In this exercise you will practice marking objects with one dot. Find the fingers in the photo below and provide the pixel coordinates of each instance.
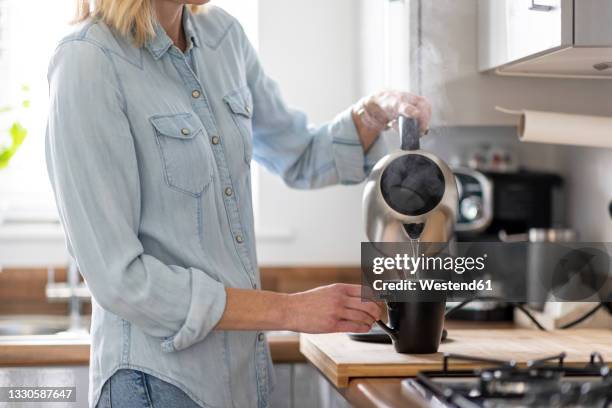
(373, 115)
(342, 310)
(355, 301)
(417, 107)
(372, 309)
(352, 290)
(383, 108)
(424, 108)
(377, 112)
(357, 316)
(410, 110)
(349, 326)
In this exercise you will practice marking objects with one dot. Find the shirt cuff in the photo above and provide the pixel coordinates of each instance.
(352, 164)
(348, 152)
(377, 151)
(208, 299)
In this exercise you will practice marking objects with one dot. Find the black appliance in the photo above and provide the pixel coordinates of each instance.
(512, 203)
(493, 206)
(542, 383)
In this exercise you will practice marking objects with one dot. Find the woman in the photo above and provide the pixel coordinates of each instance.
(155, 115)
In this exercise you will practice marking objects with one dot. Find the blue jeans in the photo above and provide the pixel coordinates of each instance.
(135, 389)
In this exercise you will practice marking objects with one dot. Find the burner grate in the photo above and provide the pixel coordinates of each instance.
(541, 382)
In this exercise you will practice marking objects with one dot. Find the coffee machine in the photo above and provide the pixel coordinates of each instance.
(493, 206)
(503, 206)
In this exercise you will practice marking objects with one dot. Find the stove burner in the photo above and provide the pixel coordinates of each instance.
(510, 380)
(545, 382)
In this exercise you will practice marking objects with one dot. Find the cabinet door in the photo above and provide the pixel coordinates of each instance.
(510, 30)
(532, 27)
(593, 23)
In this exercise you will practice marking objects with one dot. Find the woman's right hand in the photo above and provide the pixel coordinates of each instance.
(333, 308)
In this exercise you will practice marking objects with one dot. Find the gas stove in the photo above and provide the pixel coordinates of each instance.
(541, 383)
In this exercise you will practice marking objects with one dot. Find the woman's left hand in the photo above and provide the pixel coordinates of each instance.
(380, 111)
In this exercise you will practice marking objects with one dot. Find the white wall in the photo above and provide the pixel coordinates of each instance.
(311, 49)
(588, 172)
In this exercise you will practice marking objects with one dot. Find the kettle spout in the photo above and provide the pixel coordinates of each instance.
(414, 230)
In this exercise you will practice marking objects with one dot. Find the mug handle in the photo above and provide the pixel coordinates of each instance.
(391, 332)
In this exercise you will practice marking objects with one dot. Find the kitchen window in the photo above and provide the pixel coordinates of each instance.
(29, 32)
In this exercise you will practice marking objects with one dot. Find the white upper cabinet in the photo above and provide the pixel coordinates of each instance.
(557, 38)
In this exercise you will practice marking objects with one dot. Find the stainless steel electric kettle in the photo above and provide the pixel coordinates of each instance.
(410, 194)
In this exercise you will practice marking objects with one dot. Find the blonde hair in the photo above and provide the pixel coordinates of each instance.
(133, 19)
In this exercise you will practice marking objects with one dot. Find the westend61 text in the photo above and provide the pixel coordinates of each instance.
(432, 285)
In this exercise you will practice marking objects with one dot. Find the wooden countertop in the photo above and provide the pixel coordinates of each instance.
(74, 350)
(341, 359)
(379, 393)
(44, 350)
(285, 348)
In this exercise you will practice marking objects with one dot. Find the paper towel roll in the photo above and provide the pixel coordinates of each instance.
(563, 128)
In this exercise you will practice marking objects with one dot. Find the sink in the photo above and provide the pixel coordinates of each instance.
(26, 325)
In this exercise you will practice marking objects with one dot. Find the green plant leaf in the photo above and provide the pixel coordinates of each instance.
(5, 156)
(18, 133)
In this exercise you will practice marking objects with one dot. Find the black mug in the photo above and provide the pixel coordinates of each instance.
(415, 327)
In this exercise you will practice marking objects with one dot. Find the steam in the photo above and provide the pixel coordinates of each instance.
(436, 52)
(434, 70)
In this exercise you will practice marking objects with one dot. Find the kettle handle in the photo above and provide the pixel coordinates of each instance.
(409, 133)
(391, 332)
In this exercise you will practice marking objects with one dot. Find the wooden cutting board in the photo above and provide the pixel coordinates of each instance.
(340, 358)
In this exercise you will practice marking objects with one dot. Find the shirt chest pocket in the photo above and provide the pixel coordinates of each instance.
(240, 105)
(186, 158)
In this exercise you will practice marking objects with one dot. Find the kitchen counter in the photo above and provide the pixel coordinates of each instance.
(369, 375)
(62, 350)
(38, 350)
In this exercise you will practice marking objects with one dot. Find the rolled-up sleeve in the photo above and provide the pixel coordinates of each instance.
(304, 155)
(92, 164)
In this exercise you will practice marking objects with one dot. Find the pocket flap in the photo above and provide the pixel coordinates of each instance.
(239, 102)
(178, 125)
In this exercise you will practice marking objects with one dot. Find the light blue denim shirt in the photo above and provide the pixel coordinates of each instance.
(149, 152)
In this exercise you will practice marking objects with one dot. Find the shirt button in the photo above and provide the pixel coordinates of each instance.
(215, 140)
(254, 285)
(228, 191)
(195, 94)
(239, 239)
(248, 109)
(260, 337)
(185, 131)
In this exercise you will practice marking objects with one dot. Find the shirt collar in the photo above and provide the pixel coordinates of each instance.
(160, 43)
